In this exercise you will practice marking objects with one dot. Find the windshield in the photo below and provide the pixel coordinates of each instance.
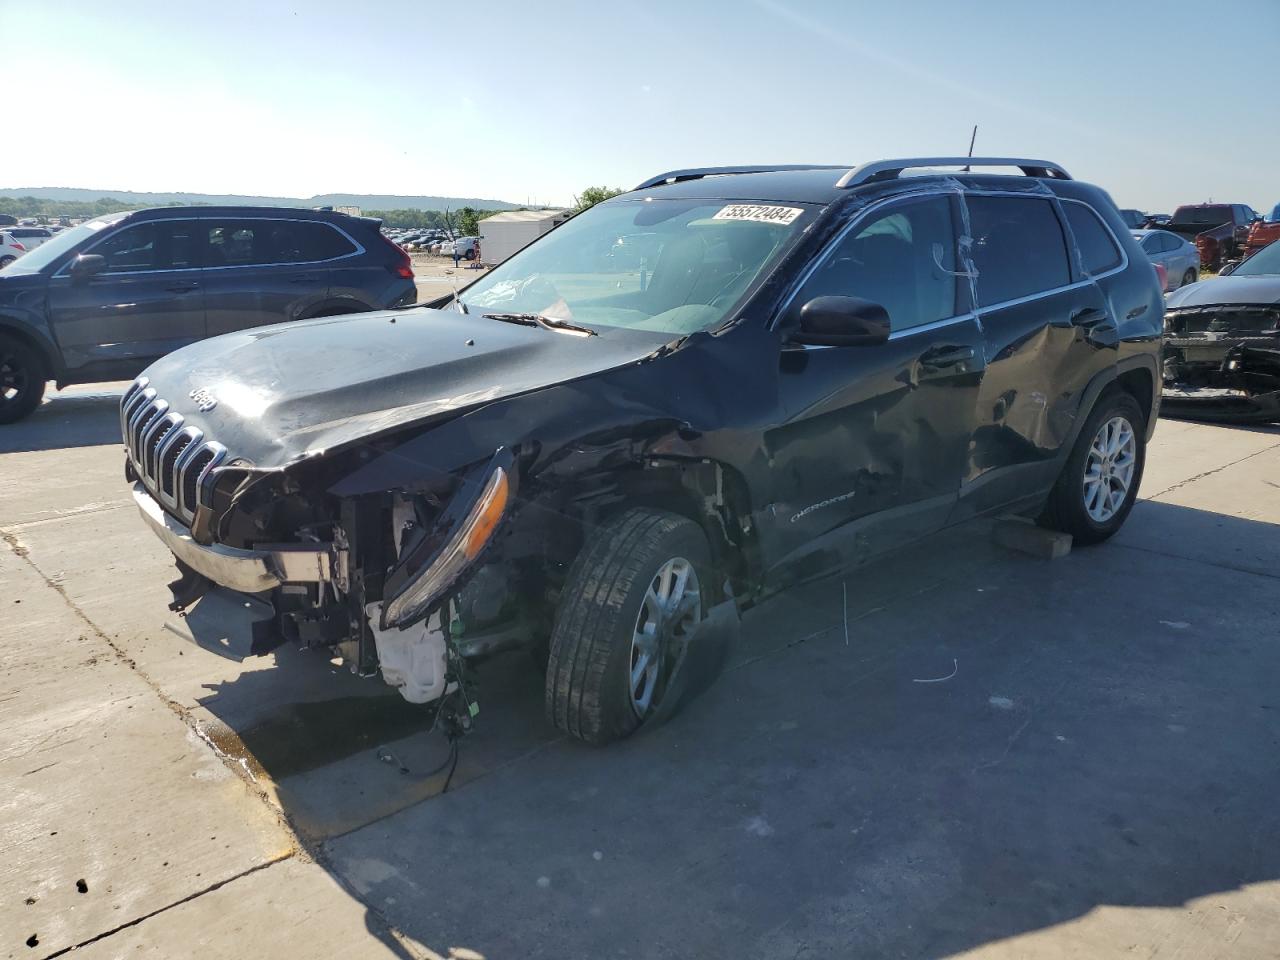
(52, 249)
(1206, 216)
(670, 266)
(1274, 215)
(1266, 262)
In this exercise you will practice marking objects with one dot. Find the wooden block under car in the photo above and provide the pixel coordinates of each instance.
(1021, 534)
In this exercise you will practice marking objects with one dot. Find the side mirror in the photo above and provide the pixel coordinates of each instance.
(842, 322)
(1228, 269)
(87, 265)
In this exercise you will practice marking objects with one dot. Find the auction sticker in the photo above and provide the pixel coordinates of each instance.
(759, 213)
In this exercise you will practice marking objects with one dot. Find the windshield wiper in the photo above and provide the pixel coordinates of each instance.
(547, 323)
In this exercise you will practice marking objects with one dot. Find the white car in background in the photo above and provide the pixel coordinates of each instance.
(1179, 257)
(29, 237)
(10, 249)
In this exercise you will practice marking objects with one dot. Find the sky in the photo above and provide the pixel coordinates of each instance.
(532, 102)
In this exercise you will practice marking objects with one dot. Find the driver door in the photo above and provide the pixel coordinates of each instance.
(875, 440)
(146, 302)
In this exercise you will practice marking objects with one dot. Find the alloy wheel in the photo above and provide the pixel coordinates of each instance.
(669, 612)
(1108, 470)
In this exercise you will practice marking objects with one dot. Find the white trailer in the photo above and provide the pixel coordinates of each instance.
(505, 233)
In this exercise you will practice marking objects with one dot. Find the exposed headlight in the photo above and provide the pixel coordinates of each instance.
(463, 547)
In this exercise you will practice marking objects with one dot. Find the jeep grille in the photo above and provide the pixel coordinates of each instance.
(169, 458)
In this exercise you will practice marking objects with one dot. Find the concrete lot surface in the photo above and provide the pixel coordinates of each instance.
(961, 751)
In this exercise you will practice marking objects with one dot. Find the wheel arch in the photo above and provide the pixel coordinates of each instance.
(708, 492)
(36, 340)
(1136, 375)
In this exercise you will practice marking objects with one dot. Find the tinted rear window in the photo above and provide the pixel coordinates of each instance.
(1018, 247)
(1209, 216)
(1098, 251)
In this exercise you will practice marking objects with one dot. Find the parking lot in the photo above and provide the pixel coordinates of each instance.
(960, 751)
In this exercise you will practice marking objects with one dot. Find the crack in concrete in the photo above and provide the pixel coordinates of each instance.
(70, 514)
(169, 906)
(1201, 560)
(1208, 473)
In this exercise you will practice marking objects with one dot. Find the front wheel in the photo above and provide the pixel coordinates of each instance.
(22, 380)
(632, 601)
(1099, 483)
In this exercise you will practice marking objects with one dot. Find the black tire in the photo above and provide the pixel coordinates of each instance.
(1190, 277)
(589, 693)
(470, 254)
(1066, 510)
(5, 261)
(22, 380)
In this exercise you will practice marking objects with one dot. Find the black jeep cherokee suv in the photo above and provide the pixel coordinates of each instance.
(603, 458)
(104, 299)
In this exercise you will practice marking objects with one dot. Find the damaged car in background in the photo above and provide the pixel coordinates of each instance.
(1222, 344)
(602, 460)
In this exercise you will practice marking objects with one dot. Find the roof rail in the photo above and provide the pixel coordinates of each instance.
(890, 169)
(697, 173)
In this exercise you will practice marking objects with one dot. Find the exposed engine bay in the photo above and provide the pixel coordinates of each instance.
(1222, 362)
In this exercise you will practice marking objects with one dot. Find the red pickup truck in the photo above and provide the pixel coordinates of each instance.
(1219, 230)
(1264, 233)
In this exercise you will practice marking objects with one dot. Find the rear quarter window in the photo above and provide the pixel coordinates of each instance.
(1018, 248)
(1098, 251)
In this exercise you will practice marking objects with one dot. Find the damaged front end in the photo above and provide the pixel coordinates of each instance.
(382, 579)
(1222, 362)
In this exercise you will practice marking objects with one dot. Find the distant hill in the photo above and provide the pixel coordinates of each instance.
(366, 201)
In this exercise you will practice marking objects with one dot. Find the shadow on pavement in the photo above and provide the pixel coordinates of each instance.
(946, 748)
(75, 419)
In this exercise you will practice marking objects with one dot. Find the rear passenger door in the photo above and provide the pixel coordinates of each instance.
(266, 270)
(1049, 331)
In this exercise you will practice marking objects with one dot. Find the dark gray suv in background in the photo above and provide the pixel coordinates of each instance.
(103, 300)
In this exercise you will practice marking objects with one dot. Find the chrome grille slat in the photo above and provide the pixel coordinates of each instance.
(155, 440)
(170, 457)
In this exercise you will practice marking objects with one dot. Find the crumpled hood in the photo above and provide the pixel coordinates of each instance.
(1256, 290)
(292, 390)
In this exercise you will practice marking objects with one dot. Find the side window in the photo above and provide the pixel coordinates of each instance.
(238, 243)
(230, 243)
(133, 248)
(904, 259)
(317, 241)
(1018, 247)
(1168, 242)
(1098, 251)
(1153, 243)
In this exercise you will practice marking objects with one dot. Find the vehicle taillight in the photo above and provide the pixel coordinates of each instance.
(403, 267)
(1163, 274)
(18, 246)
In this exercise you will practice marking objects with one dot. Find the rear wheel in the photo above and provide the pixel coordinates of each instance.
(5, 261)
(1099, 483)
(632, 600)
(22, 380)
(1190, 277)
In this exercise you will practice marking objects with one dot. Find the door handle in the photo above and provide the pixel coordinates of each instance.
(940, 358)
(1088, 317)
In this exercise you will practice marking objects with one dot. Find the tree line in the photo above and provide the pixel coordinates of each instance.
(463, 222)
